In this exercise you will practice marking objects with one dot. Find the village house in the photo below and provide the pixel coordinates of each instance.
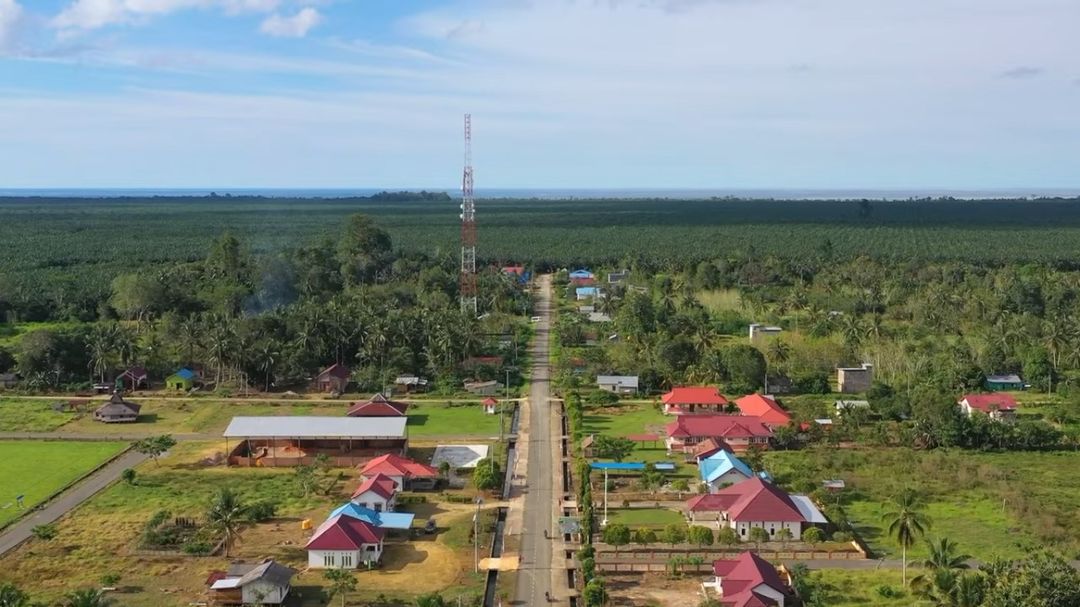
(779, 384)
(400, 521)
(183, 380)
(749, 581)
(344, 542)
(583, 293)
(377, 492)
(135, 378)
(694, 400)
(759, 332)
(266, 583)
(736, 431)
(619, 277)
(999, 406)
(619, 384)
(491, 405)
(582, 277)
(755, 503)
(410, 383)
(377, 406)
(117, 410)
(333, 379)
(709, 447)
(405, 472)
(482, 388)
(998, 383)
(722, 468)
(273, 441)
(854, 380)
(765, 408)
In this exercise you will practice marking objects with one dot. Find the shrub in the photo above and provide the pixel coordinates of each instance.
(887, 592)
(262, 511)
(842, 536)
(110, 579)
(45, 532)
(196, 547)
(128, 476)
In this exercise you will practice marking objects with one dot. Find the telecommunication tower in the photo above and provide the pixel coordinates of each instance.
(468, 228)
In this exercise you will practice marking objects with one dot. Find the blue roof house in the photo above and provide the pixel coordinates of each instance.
(184, 379)
(382, 520)
(587, 292)
(722, 469)
(580, 274)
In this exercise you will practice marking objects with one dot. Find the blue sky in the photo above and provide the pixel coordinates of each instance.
(564, 93)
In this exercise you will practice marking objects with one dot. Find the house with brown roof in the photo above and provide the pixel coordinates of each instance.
(998, 406)
(377, 406)
(697, 400)
(265, 583)
(344, 542)
(334, 378)
(749, 581)
(755, 503)
(408, 474)
(134, 378)
(736, 431)
(117, 410)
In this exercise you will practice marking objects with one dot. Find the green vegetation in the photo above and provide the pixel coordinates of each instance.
(455, 419)
(18, 415)
(644, 517)
(38, 469)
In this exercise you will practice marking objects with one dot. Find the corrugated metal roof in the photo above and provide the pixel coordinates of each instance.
(809, 511)
(316, 427)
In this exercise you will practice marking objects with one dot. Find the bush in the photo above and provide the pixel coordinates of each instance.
(842, 536)
(887, 592)
(128, 476)
(196, 547)
(262, 511)
(45, 532)
(110, 579)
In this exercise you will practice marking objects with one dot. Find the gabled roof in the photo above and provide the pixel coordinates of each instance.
(379, 484)
(719, 464)
(184, 373)
(764, 408)
(316, 426)
(118, 406)
(751, 500)
(382, 520)
(717, 426)
(336, 370)
(739, 577)
(136, 373)
(708, 447)
(344, 533)
(581, 274)
(377, 406)
(268, 571)
(392, 464)
(1004, 379)
(698, 395)
(489, 402)
(990, 402)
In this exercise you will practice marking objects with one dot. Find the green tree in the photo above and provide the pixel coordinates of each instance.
(364, 250)
(341, 582)
(700, 536)
(906, 523)
(813, 536)
(745, 366)
(128, 476)
(45, 532)
(727, 537)
(595, 593)
(758, 536)
(616, 534)
(12, 596)
(154, 446)
(85, 598)
(227, 515)
(1044, 579)
(675, 534)
(486, 474)
(306, 479)
(644, 536)
(612, 447)
(785, 535)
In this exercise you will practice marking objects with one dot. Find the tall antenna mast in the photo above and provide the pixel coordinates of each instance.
(468, 228)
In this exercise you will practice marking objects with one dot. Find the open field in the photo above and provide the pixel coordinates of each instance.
(644, 517)
(858, 588)
(210, 416)
(101, 537)
(38, 469)
(991, 504)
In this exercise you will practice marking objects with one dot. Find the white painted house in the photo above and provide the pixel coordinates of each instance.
(379, 493)
(344, 542)
(266, 583)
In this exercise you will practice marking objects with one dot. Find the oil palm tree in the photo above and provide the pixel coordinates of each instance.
(11, 596)
(88, 597)
(906, 522)
(943, 555)
(227, 515)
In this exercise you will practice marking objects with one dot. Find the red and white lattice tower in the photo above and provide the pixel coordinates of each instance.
(468, 228)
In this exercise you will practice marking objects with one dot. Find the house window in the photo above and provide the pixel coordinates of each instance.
(347, 561)
(378, 507)
(328, 560)
(742, 531)
(370, 548)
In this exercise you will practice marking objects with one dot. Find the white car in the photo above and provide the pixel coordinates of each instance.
(534, 319)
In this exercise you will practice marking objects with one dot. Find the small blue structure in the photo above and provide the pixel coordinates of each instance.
(998, 383)
(383, 520)
(722, 467)
(586, 292)
(631, 466)
(581, 274)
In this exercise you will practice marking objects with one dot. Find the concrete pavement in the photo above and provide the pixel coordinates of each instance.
(19, 532)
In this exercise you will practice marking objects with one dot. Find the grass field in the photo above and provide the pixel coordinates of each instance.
(38, 469)
(100, 538)
(992, 504)
(433, 420)
(842, 588)
(644, 517)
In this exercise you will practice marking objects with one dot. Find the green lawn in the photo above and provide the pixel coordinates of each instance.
(859, 588)
(37, 469)
(643, 517)
(625, 419)
(991, 504)
(23, 415)
(469, 419)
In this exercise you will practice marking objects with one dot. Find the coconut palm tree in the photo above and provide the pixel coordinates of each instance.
(227, 515)
(943, 556)
(906, 522)
(266, 355)
(11, 596)
(88, 597)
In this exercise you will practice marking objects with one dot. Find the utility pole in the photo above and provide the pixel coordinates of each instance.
(502, 406)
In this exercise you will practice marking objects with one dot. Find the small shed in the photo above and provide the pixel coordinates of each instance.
(334, 378)
(410, 383)
(491, 405)
(482, 388)
(266, 583)
(619, 384)
(8, 380)
(182, 380)
(1000, 383)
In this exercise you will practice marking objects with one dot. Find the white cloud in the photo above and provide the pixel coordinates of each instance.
(10, 15)
(94, 14)
(296, 26)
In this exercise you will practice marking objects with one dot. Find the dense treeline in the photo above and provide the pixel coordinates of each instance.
(277, 319)
(59, 256)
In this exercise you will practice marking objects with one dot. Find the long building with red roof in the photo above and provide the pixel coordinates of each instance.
(749, 581)
(694, 400)
(736, 431)
(378, 406)
(408, 474)
(999, 405)
(755, 503)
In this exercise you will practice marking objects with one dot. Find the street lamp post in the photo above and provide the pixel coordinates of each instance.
(476, 536)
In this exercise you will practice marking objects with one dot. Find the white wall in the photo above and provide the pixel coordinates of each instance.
(317, 558)
(269, 593)
(728, 478)
(376, 502)
(742, 529)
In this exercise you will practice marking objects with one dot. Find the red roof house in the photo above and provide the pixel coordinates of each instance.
(694, 400)
(749, 581)
(377, 406)
(997, 405)
(491, 405)
(764, 408)
(402, 470)
(737, 431)
(380, 485)
(344, 542)
(755, 503)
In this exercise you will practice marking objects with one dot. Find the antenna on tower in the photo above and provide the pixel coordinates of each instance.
(468, 228)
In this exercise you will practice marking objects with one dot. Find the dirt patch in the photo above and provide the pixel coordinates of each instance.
(652, 590)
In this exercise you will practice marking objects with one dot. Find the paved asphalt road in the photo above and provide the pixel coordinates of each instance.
(68, 501)
(535, 576)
